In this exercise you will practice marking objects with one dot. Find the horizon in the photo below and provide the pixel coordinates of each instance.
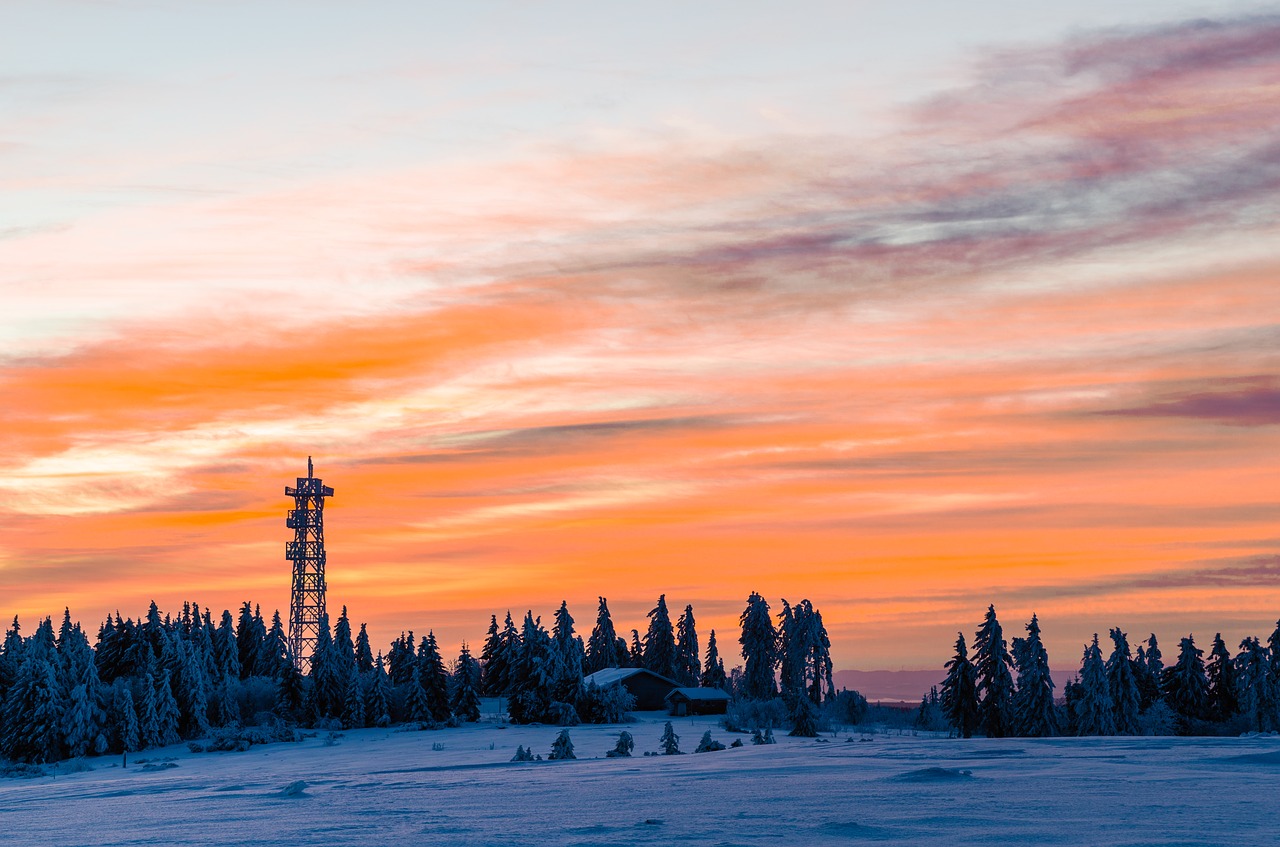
(905, 319)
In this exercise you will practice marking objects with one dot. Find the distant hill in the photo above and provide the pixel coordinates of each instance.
(909, 686)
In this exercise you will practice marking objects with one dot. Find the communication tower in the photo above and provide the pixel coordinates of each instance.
(306, 551)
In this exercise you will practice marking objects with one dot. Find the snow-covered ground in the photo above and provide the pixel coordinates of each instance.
(392, 788)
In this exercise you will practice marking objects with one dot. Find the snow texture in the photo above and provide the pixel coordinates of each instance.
(380, 786)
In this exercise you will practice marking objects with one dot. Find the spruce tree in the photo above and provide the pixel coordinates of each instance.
(635, 656)
(602, 647)
(364, 652)
(466, 696)
(790, 656)
(1185, 685)
(248, 641)
(292, 696)
(32, 714)
(713, 675)
(815, 654)
(225, 650)
(79, 729)
(433, 677)
(670, 742)
(168, 716)
(568, 656)
(378, 696)
(1095, 713)
(124, 720)
(1221, 694)
(149, 730)
(1034, 714)
(959, 691)
(328, 683)
(1123, 686)
(1257, 695)
(353, 710)
(1155, 672)
(273, 654)
(759, 649)
(688, 661)
(562, 747)
(489, 670)
(416, 702)
(660, 641)
(344, 651)
(992, 662)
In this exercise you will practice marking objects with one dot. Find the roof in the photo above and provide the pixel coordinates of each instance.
(609, 676)
(699, 694)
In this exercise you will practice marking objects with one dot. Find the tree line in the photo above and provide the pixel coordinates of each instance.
(155, 681)
(1127, 693)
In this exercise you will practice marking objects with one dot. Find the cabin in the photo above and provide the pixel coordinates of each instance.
(697, 701)
(650, 689)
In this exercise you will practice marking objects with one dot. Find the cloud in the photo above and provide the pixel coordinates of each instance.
(1241, 401)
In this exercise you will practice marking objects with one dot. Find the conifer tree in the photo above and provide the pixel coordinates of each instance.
(416, 702)
(225, 650)
(168, 717)
(1123, 686)
(532, 675)
(660, 641)
(567, 674)
(562, 747)
(1257, 695)
(492, 644)
(713, 675)
(32, 715)
(402, 658)
(1273, 656)
(759, 649)
(707, 744)
(959, 691)
(804, 718)
(816, 655)
(328, 684)
(344, 652)
(79, 727)
(353, 710)
(466, 696)
(1221, 695)
(670, 742)
(149, 730)
(635, 657)
(790, 655)
(124, 719)
(226, 705)
(248, 641)
(433, 678)
(1095, 714)
(273, 654)
(1184, 683)
(624, 746)
(291, 699)
(688, 661)
(992, 662)
(364, 652)
(1155, 671)
(1034, 714)
(602, 647)
(378, 696)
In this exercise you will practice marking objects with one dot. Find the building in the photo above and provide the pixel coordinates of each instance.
(697, 701)
(650, 689)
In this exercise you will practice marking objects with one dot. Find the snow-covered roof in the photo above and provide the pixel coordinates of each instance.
(609, 676)
(699, 694)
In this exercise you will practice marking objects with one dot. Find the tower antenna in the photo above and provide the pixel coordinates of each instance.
(306, 551)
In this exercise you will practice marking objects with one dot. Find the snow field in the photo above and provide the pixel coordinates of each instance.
(383, 787)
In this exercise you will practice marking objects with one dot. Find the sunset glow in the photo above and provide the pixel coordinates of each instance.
(905, 332)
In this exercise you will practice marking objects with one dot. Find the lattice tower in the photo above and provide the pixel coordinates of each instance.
(306, 551)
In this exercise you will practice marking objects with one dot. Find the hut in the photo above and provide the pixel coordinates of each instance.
(697, 701)
(649, 688)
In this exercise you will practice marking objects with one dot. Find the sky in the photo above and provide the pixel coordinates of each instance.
(904, 308)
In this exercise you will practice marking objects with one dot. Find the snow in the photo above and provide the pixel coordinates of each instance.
(458, 786)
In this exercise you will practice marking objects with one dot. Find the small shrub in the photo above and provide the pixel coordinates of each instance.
(708, 744)
(522, 755)
(332, 739)
(624, 747)
(562, 747)
(437, 747)
(737, 742)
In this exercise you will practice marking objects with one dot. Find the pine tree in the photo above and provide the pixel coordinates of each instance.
(959, 691)
(378, 696)
(168, 717)
(364, 652)
(1034, 713)
(1257, 695)
(532, 674)
(225, 650)
(273, 654)
(635, 656)
(248, 641)
(226, 704)
(1221, 700)
(670, 742)
(790, 655)
(149, 731)
(1123, 686)
(815, 655)
(804, 718)
(466, 697)
(1095, 714)
(79, 727)
(1184, 683)
(124, 720)
(1155, 672)
(416, 702)
(713, 675)
(32, 726)
(328, 683)
(292, 697)
(344, 652)
(992, 662)
(688, 661)
(602, 648)
(660, 641)
(759, 649)
(492, 645)
(434, 679)
(567, 675)
(353, 710)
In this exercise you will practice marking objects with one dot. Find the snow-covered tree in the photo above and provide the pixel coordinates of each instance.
(378, 696)
(688, 661)
(624, 746)
(670, 742)
(1033, 710)
(32, 727)
(566, 686)
(1185, 684)
(1257, 695)
(488, 670)
(707, 744)
(1221, 694)
(1123, 686)
(635, 656)
(466, 696)
(959, 691)
(433, 677)
(993, 664)
(804, 718)
(1153, 688)
(168, 715)
(364, 652)
(148, 715)
(416, 703)
(562, 747)
(604, 648)
(713, 675)
(1095, 714)
(124, 720)
(344, 651)
(660, 641)
(759, 642)
(353, 710)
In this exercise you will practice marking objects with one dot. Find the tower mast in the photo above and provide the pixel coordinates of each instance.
(306, 551)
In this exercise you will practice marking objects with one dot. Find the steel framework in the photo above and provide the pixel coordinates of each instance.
(306, 551)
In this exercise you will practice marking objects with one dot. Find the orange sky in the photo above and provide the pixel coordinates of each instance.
(1024, 349)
